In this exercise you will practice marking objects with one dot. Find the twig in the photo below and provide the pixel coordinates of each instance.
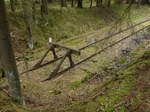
(4, 91)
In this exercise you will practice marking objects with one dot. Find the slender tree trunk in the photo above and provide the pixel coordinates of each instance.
(99, 3)
(63, 3)
(34, 11)
(80, 5)
(12, 5)
(72, 3)
(44, 11)
(7, 58)
(91, 4)
(27, 9)
(108, 3)
(44, 7)
(138, 3)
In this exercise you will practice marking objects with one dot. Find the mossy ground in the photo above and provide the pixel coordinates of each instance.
(128, 92)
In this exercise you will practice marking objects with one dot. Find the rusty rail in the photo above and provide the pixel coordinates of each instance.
(109, 36)
(56, 58)
(70, 51)
(53, 75)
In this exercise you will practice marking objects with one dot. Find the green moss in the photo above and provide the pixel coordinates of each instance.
(133, 54)
(122, 61)
(122, 109)
(101, 100)
(75, 84)
(147, 62)
(146, 55)
(88, 72)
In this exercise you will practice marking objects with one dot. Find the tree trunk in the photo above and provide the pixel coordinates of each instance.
(63, 3)
(34, 11)
(44, 11)
(44, 7)
(27, 9)
(91, 4)
(7, 58)
(99, 3)
(109, 3)
(80, 5)
(12, 5)
(72, 3)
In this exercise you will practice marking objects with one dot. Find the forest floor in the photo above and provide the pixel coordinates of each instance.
(121, 91)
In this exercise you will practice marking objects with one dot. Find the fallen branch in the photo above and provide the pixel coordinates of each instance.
(4, 91)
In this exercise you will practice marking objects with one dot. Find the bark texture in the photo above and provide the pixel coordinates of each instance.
(27, 10)
(7, 59)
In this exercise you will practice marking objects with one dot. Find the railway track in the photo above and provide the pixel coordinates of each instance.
(70, 51)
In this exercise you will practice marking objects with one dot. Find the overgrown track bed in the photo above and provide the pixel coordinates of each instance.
(91, 56)
(57, 72)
